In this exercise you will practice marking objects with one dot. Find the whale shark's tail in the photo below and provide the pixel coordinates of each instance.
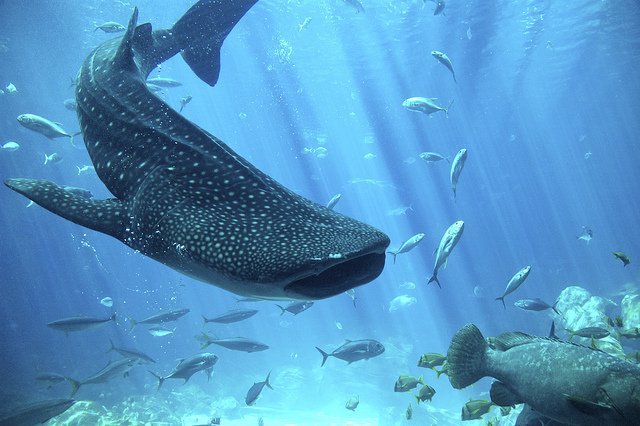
(198, 36)
(202, 30)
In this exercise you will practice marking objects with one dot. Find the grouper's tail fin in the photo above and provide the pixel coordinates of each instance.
(466, 357)
(106, 216)
(202, 30)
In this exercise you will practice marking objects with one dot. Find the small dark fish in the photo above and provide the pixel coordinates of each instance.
(184, 101)
(535, 305)
(79, 323)
(190, 366)
(623, 257)
(36, 413)
(130, 353)
(406, 383)
(254, 392)
(352, 403)
(232, 316)
(161, 318)
(113, 369)
(354, 350)
(615, 322)
(475, 409)
(409, 413)
(431, 360)
(443, 370)
(426, 393)
(631, 333)
(234, 343)
(440, 4)
(356, 5)
(590, 332)
(295, 307)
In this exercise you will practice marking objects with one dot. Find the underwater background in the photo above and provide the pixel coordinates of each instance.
(546, 104)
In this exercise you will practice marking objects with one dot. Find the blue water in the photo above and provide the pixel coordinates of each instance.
(546, 104)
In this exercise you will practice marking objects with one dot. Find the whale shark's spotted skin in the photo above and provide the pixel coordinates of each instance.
(185, 198)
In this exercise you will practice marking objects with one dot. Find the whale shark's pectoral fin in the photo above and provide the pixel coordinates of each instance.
(106, 216)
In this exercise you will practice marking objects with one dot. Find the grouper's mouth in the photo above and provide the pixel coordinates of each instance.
(338, 277)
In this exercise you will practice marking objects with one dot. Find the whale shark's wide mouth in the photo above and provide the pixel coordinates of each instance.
(338, 278)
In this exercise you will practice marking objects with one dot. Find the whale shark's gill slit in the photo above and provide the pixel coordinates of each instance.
(185, 198)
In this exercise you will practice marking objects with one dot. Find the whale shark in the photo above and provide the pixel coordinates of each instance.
(183, 197)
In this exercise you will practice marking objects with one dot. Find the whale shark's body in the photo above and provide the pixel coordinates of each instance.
(185, 198)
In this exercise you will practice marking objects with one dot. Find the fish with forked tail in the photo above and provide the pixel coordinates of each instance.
(254, 391)
(565, 382)
(406, 246)
(45, 127)
(354, 350)
(444, 60)
(187, 367)
(456, 169)
(515, 282)
(425, 105)
(447, 243)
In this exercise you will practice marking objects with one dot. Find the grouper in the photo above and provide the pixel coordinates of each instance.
(565, 382)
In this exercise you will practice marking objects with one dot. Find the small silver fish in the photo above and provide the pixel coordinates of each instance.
(160, 331)
(184, 101)
(447, 243)
(333, 201)
(425, 105)
(586, 235)
(444, 60)
(432, 157)
(515, 282)
(456, 169)
(407, 245)
(110, 27)
(304, 24)
(54, 158)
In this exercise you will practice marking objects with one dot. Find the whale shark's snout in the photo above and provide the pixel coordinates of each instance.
(336, 276)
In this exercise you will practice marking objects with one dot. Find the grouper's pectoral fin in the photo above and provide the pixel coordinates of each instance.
(502, 396)
(106, 216)
(591, 408)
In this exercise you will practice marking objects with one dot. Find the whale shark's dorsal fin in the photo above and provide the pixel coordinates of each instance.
(124, 55)
(106, 216)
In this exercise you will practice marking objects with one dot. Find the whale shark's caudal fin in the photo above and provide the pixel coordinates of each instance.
(202, 30)
(198, 35)
(107, 216)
